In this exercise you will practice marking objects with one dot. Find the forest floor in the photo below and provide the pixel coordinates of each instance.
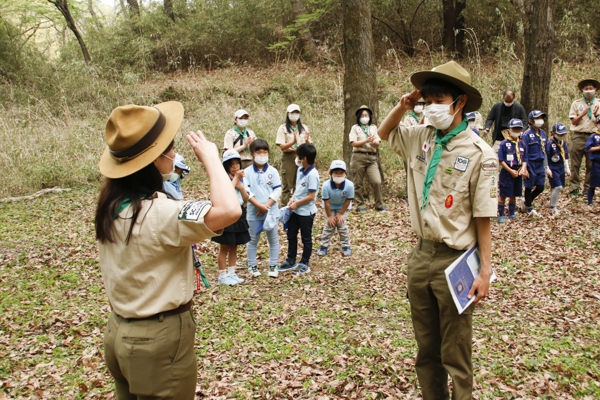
(341, 331)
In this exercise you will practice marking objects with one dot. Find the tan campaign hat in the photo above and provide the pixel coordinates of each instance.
(138, 135)
(455, 74)
(590, 81)
(363, 108)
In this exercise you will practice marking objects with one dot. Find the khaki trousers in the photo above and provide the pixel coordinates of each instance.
(443, 336)
(288, 176)
(343, 230)
(576, 155)
(365, 165)
(152, 358)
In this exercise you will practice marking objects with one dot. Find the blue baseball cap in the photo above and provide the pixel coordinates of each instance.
(337, 164)
(230, 155)
(180, 163)
(515, 123)
(471, 115)
(559, 127)
(536, 114)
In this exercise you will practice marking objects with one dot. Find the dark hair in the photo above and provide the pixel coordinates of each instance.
(307, 150)
(358, 115)
(259, 144)
(440, 87)
(141, 184)
(227, 164)
(507, 91)
(588, 83)
(288, 124)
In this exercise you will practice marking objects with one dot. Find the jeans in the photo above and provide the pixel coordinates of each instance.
(302, 223)
(272, 237)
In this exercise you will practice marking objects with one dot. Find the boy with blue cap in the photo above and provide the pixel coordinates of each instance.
(511, 155)
(592, 148)
(337, 194)
(172, 186)
(472, 121)
(557, 155)
(534, 139)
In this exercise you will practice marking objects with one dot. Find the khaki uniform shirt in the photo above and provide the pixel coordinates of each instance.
(230, 138)
(284, 137)
(478, 121)
(409, 120)
(154, 272)
(464, 186)
(586, 124)
(357, 134)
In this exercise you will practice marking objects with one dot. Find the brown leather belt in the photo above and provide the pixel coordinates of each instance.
(179, 310)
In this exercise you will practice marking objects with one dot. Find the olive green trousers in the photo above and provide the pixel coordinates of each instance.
(288, 177)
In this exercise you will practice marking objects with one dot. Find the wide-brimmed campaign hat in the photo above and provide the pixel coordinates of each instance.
(138, 135)
(453, 73)
(363, 108)
(586, 82)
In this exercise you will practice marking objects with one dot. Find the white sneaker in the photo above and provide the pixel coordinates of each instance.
(273, 271)
(556, 212)
(534, 213)
(253, 269)
(236, 277)
(227, 280)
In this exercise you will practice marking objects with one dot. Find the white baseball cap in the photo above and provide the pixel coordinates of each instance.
(293, 107)
(337, 164)
(241, 113)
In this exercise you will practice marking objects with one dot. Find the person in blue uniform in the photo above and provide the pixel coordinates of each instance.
(472, 121)
(557, 155)
(172, 186)
(511, 155)
(534, 139)
(592, 148)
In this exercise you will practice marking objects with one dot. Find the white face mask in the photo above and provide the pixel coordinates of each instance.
(298, 162)
(261, 160)
(559, 137)
(439, 115)
(589, 94)
(167, 177)
(365, 120)
(509, 104)
(471, 124)
(538, 122)
(294, 116)
(174, 177)
(242, 123)
(418, 109)
(515, 134)
(338, 179)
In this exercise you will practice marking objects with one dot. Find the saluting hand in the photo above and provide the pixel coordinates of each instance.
(203, 148)
(410, 100)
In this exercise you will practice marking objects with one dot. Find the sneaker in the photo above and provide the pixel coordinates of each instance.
(227, 280)
(575, 193)
(273, 271)
(346, 251)
(502, 220)
(513, 218)
(381, 209)
(322, 251)
(286, 266)
(302, 269)
(236, 277)
(253, 269)
(555, 211)
(362, 210)
(533, 213)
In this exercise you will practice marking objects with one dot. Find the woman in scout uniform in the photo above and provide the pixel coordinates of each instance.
(558, 165)
(290, 135)
(583, 114)
(144, 246)
(365, 141)
(534, 139)
(512, 154)
(239, 137)
(416, 117)
(452, 184)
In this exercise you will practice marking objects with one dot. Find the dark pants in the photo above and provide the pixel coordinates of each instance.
(302, 223)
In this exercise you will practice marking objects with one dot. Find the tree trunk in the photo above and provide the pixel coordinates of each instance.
(360, 83)
(123, 8)
(538, 24)
(449, 21)
(93, 14)
(307, 39)
(63, 7)
(134, 6)
(169, 9)
(459, 26)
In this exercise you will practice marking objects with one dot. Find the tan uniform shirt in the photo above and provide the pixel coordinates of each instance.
(230, 138)
(284, 137)
(478, 121)
(586, 124)
(357, 134)
(464, 186)
(154, 272)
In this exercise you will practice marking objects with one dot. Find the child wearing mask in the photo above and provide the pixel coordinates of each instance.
(472, 121)
(534, 139)
(172, 186)
(512, 157)
(239, 137)
(558, 166)
(264, 183)
(592, 148)
(236, 234)
(337, 194)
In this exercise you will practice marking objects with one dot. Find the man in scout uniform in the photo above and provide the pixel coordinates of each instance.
(238, 138)
(452, 189)
(584, 112)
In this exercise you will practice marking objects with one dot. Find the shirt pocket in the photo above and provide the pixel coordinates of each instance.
(419, 170)
(456, 199)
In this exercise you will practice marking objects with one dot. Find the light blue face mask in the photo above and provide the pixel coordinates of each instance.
(174, 177)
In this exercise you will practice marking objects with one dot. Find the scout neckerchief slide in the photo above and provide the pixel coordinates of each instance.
(199, 272)
(440, 142)
(590, 109)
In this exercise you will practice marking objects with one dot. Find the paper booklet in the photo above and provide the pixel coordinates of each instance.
(460, 276)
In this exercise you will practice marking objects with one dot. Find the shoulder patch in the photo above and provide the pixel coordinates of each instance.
(490, 165)
(192, 210)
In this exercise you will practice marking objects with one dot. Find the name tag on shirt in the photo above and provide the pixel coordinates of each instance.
(510, 157)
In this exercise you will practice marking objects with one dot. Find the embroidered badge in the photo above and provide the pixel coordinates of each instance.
(461, 163)
(269, 183)
(555, 158)
(491, 165)
(344, 193)
(581, 107)
(493, 193)
(425, 149)
(449, 170)
(449, 201)
(192, 210)
(459, 288)
(508, 145)
(270, 176)
(422, 159)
